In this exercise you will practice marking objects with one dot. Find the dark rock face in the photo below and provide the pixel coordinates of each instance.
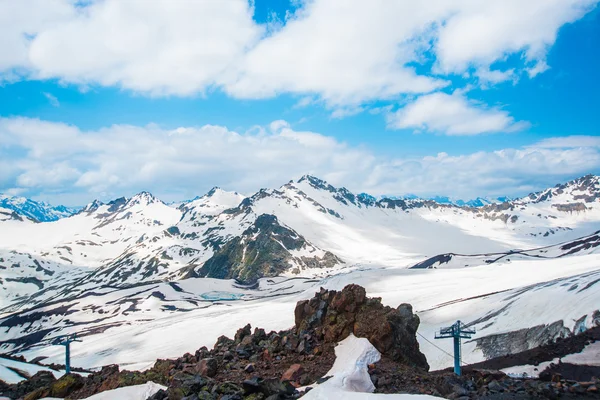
(513, 342)
(334, 315)
(570, 207)
(262, 251)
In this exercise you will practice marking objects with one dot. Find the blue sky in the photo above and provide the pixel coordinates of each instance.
(465, 101)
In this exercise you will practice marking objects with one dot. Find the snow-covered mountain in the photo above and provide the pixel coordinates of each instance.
(304, 227)
(37, 211)
(135, 261)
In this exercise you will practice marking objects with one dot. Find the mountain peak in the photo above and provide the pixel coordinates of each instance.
(585, 188)
(317, 183)
(143, 198)
(93, 206)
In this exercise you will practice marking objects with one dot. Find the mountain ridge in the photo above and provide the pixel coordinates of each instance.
(44, 212)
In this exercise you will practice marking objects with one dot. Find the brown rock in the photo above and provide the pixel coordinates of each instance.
(242, 333)
(266, 356)
(293, 373)
(207, 367)
(334, 315)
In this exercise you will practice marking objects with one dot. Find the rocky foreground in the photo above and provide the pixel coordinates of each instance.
(260, 365)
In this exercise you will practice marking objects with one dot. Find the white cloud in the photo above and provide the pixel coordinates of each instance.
(480, 33)
(569, 142)
(488, 76)
(537, 69)
(159, 47)
(53, 100)
(22, 19)
(348, 52)
(452, 115)
(342, 53)
(62, 163)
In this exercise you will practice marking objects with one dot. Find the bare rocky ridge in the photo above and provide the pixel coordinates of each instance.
(264, 250)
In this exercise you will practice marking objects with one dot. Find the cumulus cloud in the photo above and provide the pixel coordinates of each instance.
(62, 163)
(452, 115)
(344, 53)
(158, 47)
(480, 33)
(348, 52)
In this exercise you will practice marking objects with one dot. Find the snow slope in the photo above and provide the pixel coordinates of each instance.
(586, 245)
(128, 326)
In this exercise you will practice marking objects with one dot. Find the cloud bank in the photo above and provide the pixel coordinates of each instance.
(64, 164)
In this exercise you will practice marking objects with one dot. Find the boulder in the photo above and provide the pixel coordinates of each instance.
(207, 367)
(334, 315)
(293, 373)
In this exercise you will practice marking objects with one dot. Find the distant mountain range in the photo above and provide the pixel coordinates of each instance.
(44, 212)
(35, 210)
(477, 202)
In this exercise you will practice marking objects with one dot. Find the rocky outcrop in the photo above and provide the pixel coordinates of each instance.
(570, 207)
(513, 342)
(334, 315)
(265, 250)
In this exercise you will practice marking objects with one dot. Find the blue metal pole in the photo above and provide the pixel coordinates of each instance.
(457, 355)
(68, 357)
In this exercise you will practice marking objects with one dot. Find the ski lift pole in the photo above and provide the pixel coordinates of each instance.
(66, 341)
(456, 332)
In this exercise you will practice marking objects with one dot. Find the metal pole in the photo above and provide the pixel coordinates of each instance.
(457, 355)
(68, 357)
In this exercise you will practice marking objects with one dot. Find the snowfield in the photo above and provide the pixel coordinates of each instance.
(128, 274)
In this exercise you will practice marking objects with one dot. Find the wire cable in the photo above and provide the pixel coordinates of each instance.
(436, 346)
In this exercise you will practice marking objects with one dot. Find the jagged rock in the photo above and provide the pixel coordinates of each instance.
(242, 333)
(228, 388)
(293, 373)
(183, 384)
(334, 315)
(37, 382)
(495, 386)
(275, 387)
(61, 388)
(207, 367)
(160, 395)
